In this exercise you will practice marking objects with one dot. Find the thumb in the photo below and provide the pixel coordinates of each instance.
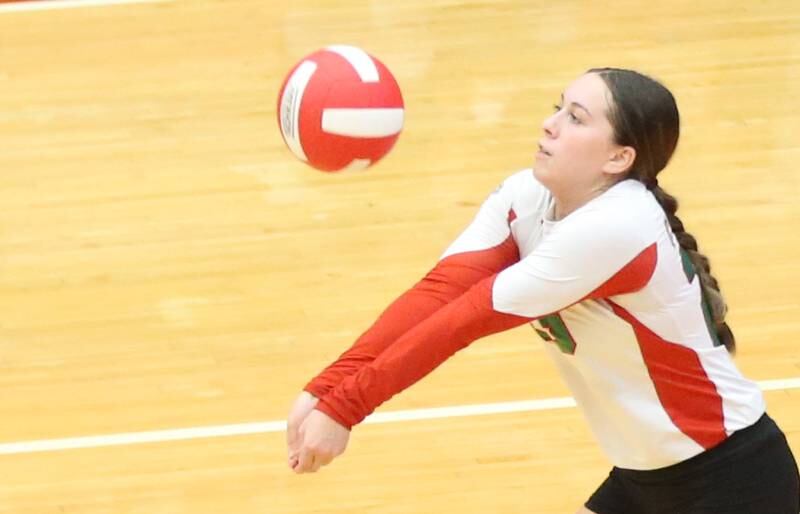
(294, 439)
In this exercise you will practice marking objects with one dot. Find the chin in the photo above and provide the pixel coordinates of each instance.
(542, 174)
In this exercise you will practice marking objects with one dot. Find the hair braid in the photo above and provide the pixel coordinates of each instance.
(644, 115)
(709, 285)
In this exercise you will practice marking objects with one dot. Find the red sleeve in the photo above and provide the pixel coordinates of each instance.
(418, 352)
(447, 281)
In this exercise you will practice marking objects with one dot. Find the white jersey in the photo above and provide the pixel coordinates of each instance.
(634, 342)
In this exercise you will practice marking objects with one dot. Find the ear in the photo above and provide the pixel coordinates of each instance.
(620, 160)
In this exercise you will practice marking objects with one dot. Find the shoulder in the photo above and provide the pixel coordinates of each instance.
(625, 216)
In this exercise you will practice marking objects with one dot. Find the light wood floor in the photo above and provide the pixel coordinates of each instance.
(166, 263)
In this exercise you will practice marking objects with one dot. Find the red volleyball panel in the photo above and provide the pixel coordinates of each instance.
(332, 152)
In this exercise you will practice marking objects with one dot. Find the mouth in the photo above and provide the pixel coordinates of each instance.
(543, 151)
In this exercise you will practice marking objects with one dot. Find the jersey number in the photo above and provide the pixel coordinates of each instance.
(552, 329)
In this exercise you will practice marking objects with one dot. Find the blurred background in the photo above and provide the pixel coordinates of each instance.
(166, 262)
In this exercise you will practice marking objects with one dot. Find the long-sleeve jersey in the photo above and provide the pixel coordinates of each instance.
(609, 290)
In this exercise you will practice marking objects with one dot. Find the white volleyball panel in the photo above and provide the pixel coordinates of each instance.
(358, 59)
(357, 165)
(290, 106)
(363, 122)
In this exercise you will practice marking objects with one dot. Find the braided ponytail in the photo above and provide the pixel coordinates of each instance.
(645, 116)
(712, 297)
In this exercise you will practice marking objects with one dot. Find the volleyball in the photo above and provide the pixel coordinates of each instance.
(340, 108)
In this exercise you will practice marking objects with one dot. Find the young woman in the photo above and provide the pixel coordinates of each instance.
(587, 248)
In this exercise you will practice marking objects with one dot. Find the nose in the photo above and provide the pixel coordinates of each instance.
(550, 125)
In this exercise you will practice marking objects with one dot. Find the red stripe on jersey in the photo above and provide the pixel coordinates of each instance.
(632, 277)
(511, 216)
(683, 387)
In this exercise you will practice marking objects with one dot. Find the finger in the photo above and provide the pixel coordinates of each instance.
(305, 461)
(315, 464)
(293, 457)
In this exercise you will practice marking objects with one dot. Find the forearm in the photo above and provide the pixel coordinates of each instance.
(418, 352)
(447, 281)
(405, 312)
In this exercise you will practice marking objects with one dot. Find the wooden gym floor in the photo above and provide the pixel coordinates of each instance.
(165, 263)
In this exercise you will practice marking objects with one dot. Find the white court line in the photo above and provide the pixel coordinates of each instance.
(182, 434)
(46, 5)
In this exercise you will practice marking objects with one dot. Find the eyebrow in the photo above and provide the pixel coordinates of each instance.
(576, 104)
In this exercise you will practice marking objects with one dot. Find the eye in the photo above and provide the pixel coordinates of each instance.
(572, 118)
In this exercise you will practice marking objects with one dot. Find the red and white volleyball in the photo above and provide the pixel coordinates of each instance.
(340, 108)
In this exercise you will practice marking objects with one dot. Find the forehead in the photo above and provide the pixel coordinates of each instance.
(590, 91)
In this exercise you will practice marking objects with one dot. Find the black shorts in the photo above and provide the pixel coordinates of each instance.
(752, 472)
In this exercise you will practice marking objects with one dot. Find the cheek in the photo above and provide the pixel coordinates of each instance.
(588, 147)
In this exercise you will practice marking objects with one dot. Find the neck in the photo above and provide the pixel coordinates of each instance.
(569, 202)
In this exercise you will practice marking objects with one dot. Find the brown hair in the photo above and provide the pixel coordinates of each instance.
(644, 115)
